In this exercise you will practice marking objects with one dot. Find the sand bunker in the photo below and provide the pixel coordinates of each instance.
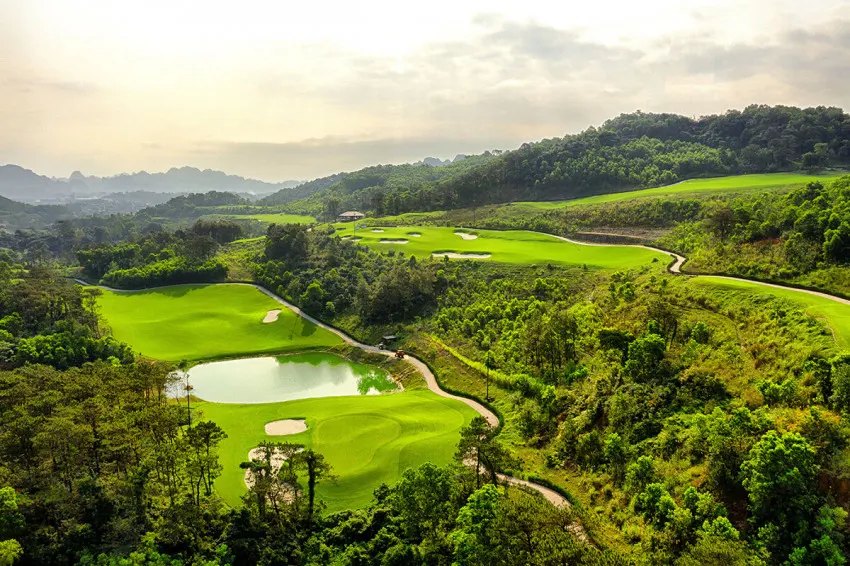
(393, 241)
(453, 255)
(377, 230)
(414, 234)
(277, 461)
(466, 236)
(286, 426)
(271, 316)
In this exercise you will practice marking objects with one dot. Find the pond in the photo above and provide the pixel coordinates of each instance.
(283, 378)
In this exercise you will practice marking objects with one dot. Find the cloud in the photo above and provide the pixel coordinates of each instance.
(297, 108)
(31, 84)
(317, 157)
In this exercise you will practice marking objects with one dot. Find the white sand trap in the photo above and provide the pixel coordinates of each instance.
(414, 234)
(356, 238)
(286, 426)
(393, 241)
(271, 316)
(453, 255)
(466, 236)
(377, 230)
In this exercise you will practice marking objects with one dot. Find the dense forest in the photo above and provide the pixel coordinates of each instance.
(686, 424)
(630, 151)
(635, 382)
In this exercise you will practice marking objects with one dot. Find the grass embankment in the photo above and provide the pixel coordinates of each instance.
(731, 184)
(198, 322)
(510, 246)
(836, 314)
(368, 440)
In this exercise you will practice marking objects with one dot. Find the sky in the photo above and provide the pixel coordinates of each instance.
(279, 90)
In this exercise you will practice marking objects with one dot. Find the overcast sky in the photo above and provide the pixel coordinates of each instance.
(292, 89)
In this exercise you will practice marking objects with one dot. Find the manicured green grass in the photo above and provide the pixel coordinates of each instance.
(368, 440)
(733, 184)
(269, 218)
(197, 322)
(836, 314)
(512, 246)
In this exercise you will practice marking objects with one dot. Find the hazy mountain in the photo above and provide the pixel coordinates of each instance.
(22, 184)
(177, 180)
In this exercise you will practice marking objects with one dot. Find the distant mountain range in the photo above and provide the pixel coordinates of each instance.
(25, 185)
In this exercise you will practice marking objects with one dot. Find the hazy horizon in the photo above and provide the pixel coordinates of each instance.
(278, 92)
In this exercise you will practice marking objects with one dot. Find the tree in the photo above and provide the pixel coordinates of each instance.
(473, 537)
(645, 357)
(479, 447)
(488, 363)
(840, 397)
(780, 476)
(203, 439)
(425, 498)
(317, 469)
(721, 221)
(11, 525)
(616, 454)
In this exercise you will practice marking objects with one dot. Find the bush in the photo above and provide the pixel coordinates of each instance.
(172, 271)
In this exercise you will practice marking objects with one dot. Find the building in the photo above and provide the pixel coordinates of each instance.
(351, 215)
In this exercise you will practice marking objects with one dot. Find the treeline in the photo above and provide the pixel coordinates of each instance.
(45, 319)
(382, 189)
(642, 392)
(630, 151)
(161, 257)
(100, 468)
(326, 275)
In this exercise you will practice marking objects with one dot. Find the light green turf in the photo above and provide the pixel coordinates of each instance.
(835, 313)
(368, 440)
(197, 322)
(269, 218)
(733, 184)
(511, 246)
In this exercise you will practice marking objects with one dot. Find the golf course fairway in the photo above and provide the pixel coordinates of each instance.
(268, 218)
(509, 246)
(731, 184)
(202, 322)
(368, 440)
(836, 314)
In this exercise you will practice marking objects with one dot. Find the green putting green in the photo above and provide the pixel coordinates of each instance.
(835, 313)
(732, 184)
(368, 440)
(510, 246)
(198, 322)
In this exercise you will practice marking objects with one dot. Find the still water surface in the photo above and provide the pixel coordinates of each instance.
(284, 378)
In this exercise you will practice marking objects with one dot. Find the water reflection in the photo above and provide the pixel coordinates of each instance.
(285, 378)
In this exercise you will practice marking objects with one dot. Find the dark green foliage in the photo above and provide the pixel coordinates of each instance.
(630, 151)
(160, 258)
(328, 276)
(166, 272)
(48, 320)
